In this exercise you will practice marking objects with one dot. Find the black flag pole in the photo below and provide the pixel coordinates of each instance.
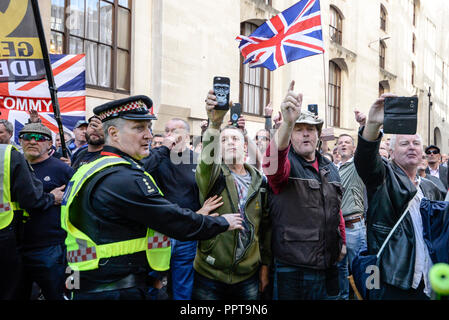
(49, 72)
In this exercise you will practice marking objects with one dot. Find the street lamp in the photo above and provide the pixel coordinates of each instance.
(429, 94)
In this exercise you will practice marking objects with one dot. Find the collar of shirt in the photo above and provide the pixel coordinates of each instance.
(435, 172)
(347, 162)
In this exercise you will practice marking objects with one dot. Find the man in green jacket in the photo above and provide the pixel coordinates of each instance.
(235, 265)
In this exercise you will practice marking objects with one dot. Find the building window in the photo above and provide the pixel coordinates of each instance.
(413, 73)
(335, 26)
(414, 14)
(381, 89)
(413, 43)
(254, 82)
(383, 18)
(382, 54)
(334, 102)
(102, 30)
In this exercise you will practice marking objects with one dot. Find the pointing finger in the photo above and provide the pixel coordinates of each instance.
(291, 87)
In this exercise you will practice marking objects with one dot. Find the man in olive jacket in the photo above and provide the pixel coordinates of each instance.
(391, 187)
(232, 266)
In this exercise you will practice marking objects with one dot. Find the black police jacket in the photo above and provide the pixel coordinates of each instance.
(120, 203)
(26, 188)
(389, 191)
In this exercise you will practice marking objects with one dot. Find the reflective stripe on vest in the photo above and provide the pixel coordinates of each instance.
(83, 254)
(6, 206)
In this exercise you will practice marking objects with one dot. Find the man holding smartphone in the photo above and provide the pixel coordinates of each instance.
(393, 188)
(235, 265)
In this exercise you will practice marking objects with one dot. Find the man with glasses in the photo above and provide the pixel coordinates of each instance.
(44, 253)
(435, 168)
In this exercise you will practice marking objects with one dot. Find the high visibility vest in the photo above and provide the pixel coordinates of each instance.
(83, 253)
(7, 207)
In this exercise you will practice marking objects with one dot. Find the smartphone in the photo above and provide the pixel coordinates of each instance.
(313, 108)
(400, 115)
(236, 111)
(222, 88)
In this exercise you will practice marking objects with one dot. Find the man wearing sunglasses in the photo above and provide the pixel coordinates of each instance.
(22, 191)
(435, 168)
(43, 238)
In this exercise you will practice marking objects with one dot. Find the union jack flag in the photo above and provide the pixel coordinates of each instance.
(291, 35)
(18, 98)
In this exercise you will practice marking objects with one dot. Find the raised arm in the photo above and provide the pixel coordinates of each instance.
(208, 167)
(367, 159)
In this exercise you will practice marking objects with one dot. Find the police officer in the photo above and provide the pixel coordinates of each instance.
(117, 221)
(21, 192)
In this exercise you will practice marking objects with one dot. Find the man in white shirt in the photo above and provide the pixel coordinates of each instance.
(435, 168)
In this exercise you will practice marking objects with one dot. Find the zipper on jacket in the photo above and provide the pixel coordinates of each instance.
(236, 238)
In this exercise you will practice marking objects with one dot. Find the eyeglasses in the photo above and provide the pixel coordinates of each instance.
(432, 152)
(38, 137)
(264, 138)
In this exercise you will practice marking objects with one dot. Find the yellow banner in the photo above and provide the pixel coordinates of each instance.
(20, 48)
(21, 56)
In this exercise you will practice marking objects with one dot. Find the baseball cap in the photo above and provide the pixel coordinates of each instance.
(81, 123)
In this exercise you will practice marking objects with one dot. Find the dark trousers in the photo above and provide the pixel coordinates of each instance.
(208, 289)
(10, 264)
(388, 292)
(297, 283)
(120, 294)
(46, 266)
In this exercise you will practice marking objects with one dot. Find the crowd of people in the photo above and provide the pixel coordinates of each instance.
(281, 215)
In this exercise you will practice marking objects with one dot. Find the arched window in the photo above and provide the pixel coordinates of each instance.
(335, 26)
(382, 48)
(334, 99)
(254, 82)
(383, 18)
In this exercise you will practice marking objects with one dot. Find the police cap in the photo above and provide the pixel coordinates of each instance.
(131, 108)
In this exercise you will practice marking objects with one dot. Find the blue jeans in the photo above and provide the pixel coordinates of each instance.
(343, 282)
(297, 283)
(355, 239)
(208, 289)
(45, 266)
(181, 268)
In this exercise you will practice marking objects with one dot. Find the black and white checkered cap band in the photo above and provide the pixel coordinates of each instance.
(127, 107)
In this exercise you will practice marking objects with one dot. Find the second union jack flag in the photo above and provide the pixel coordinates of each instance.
(291, 35)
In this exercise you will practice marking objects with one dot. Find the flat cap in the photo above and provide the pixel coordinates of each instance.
(310, 118)
(131, 108)
(36, 128)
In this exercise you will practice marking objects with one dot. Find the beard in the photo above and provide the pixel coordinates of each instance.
(94, 142)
